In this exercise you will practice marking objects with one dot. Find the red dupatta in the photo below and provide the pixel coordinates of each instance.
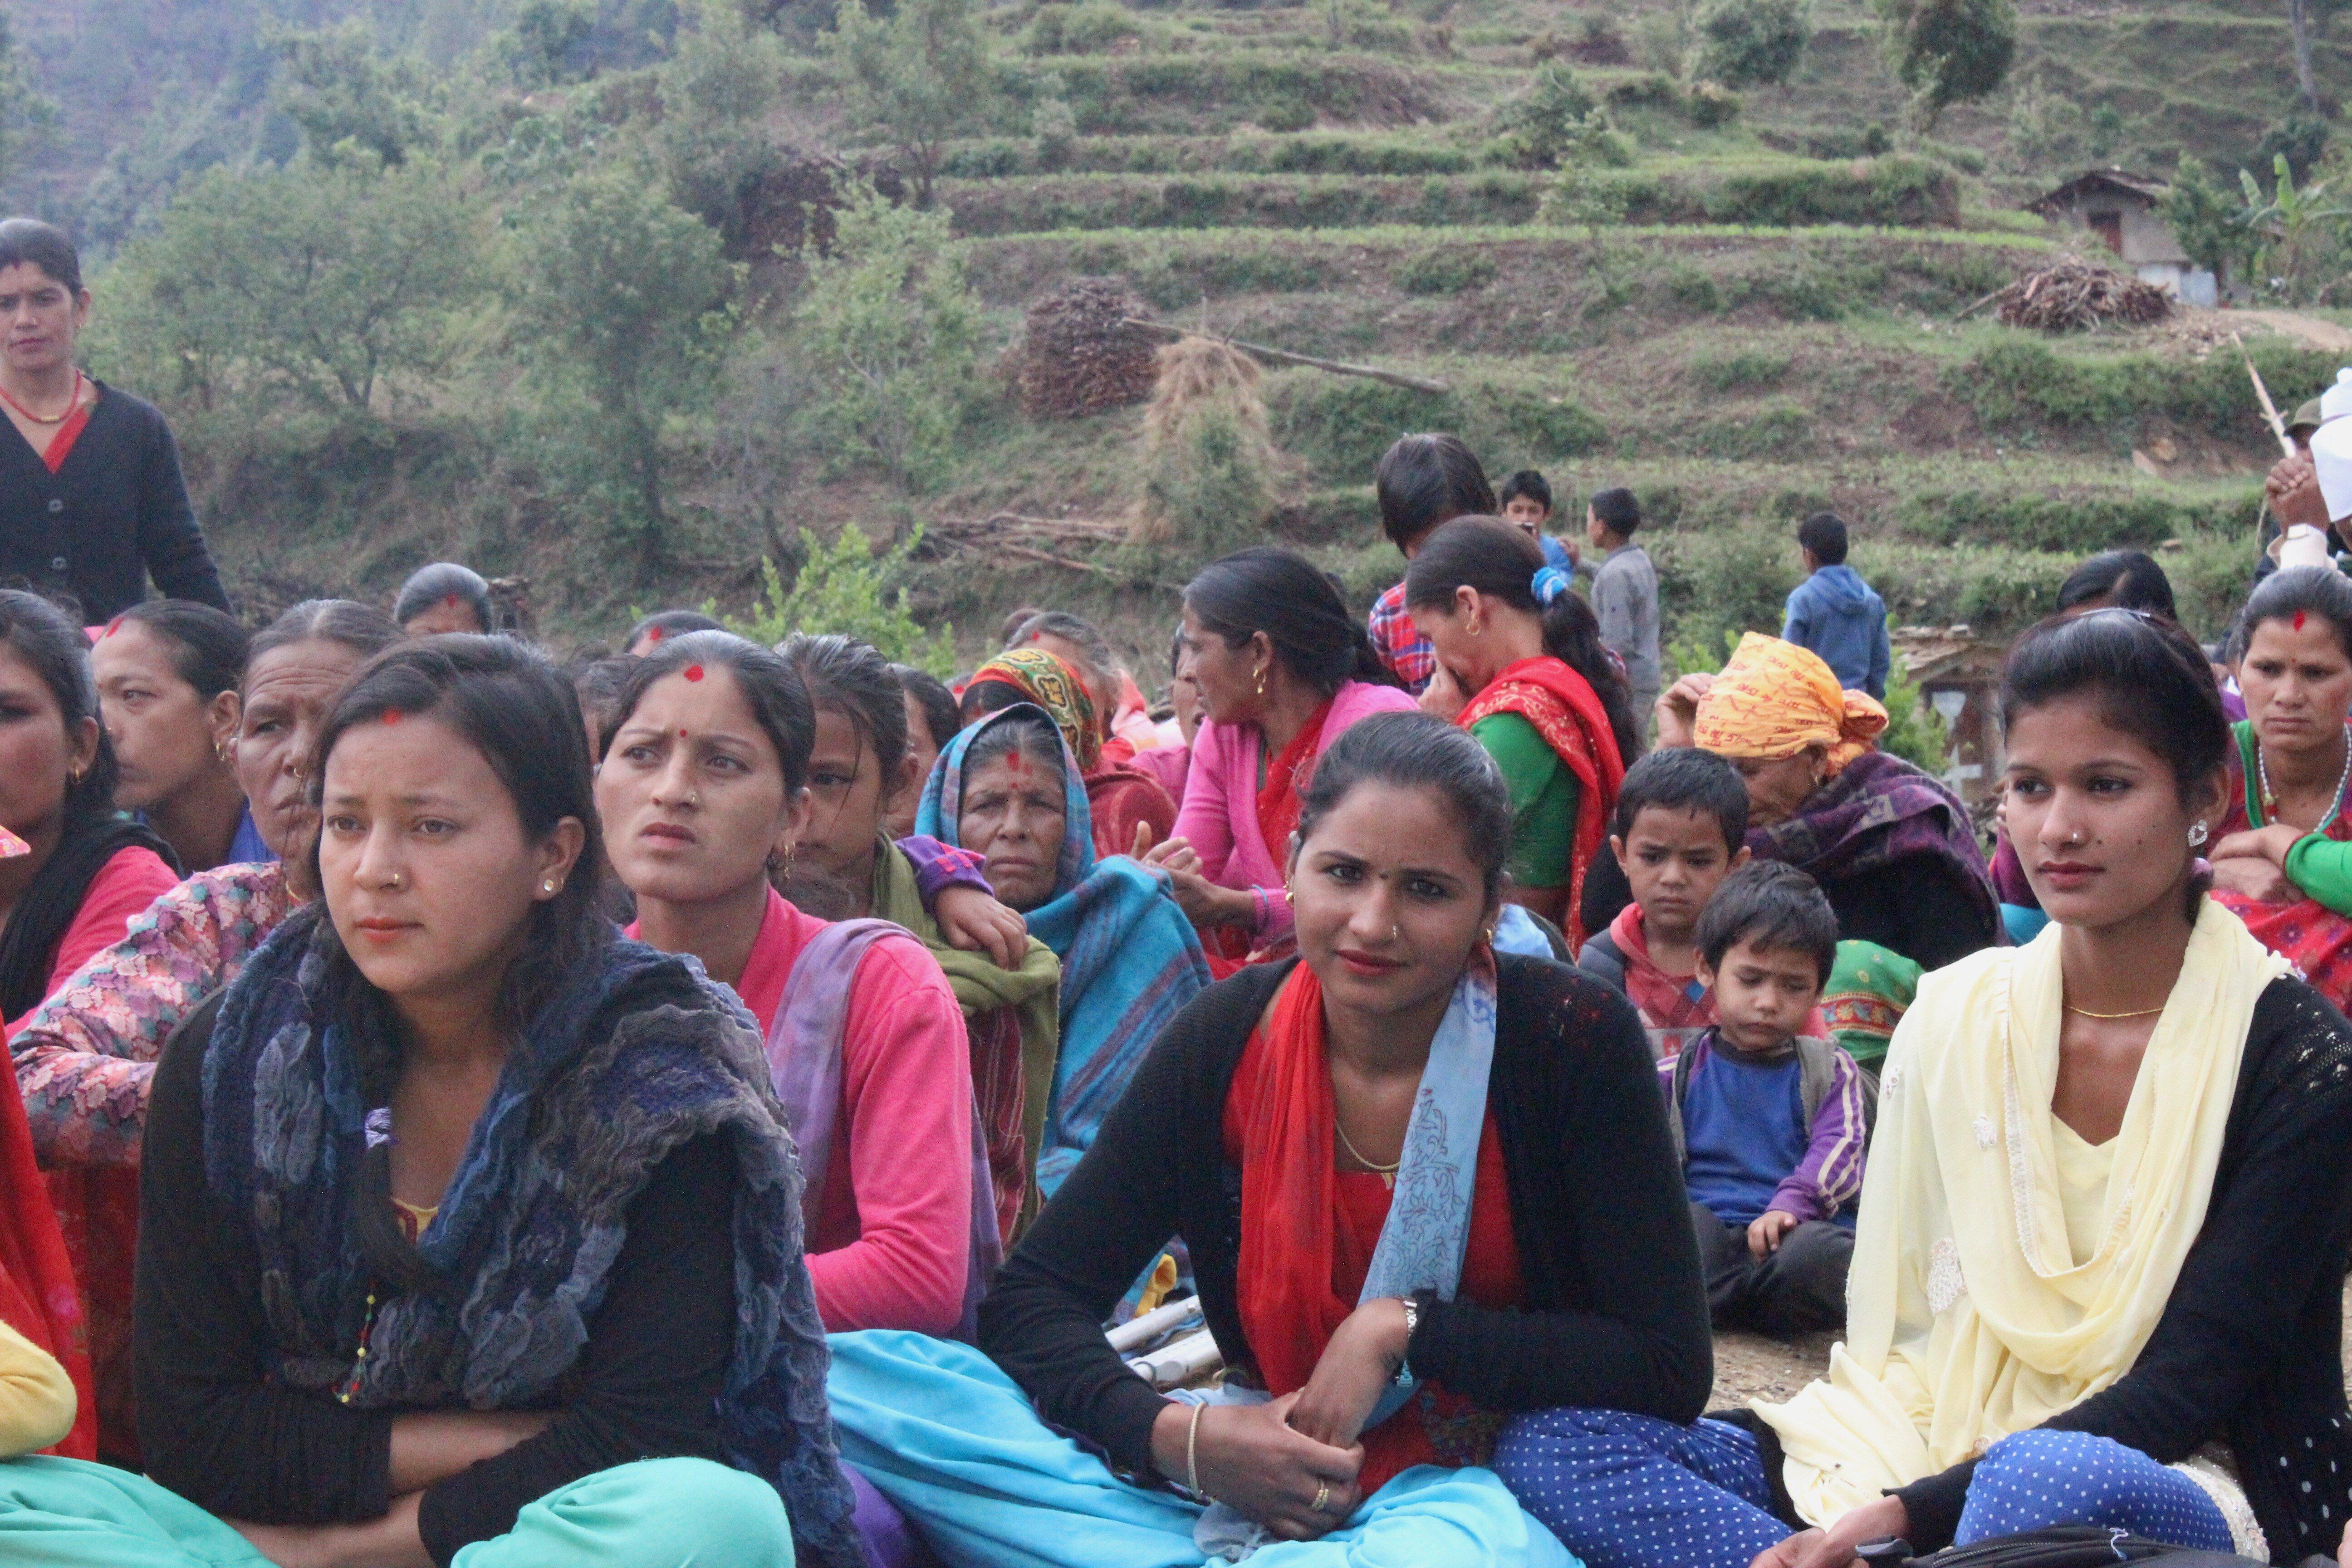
(1286, 778)
(38, 1295)
(1566, 712)
(2304, 932)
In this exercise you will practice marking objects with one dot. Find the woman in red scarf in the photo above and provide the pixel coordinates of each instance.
(38, 1297)
(1425, 1187)
(1544, 700)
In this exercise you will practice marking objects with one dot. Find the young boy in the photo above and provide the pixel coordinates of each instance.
(1527, 501)
(1834, 613)
(1682, 818)
(1421, 482)
(1625, 598)
(1771, 1123)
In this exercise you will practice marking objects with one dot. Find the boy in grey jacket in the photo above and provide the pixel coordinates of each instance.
(1625, 598)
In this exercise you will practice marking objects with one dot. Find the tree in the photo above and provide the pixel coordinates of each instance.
(24, 114)
(1751, 43)
(548, 44)
(1949, 51)
(919, 77)
(889, 340)
(623, 300)
(350, 100)
(845, 587)
(319, 283)
(713, 138)
(2301, 231)
(2209, 220)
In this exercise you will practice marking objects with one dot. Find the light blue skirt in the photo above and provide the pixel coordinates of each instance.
(956, 1445)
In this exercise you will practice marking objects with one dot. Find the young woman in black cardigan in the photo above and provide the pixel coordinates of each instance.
(2098, 1275)
(1423, 1188)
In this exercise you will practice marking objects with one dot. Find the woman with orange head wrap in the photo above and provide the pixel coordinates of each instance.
(1894, 849)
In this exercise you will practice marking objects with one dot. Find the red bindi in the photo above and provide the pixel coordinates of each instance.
(450, 600)
(694, 672)
(682, 734)
(392, 715)
(653, 636)
(112, 626)
(2298, 620)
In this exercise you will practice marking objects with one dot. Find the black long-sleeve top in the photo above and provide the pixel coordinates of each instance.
(1615, 1314)
(115, 513)
(218, 1430)
(2250, 1348)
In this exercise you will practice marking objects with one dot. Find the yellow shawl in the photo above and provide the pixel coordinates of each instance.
(1966, 1316)
(1775, 699)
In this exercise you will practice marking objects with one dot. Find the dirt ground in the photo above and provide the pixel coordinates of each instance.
(1750, 1366)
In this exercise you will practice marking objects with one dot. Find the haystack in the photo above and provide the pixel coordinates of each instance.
(1209, 468)
(1076, 356)
(2077, 295)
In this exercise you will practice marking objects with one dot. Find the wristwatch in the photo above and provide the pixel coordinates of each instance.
(1411, 1305)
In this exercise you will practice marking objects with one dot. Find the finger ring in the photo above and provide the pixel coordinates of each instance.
(1322, 1496)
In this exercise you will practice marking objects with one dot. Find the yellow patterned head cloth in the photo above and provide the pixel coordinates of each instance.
(1044, 680)
(1775, 699)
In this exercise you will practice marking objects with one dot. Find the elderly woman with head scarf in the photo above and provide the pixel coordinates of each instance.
(1892, 848)
(1121, 799)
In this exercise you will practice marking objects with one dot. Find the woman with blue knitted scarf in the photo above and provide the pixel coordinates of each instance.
(472, 1231)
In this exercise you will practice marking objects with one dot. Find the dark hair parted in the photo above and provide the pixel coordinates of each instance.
(208, 646)
(58, 653)
(2150, 680)
(514, 708)
(1418, 751)
(1528, 484)
(1498, 558)
(2320, 591)
(2119, 579)
(1281, 594)
(1823, 534)
(1423, 480)
(1684, 778)
(778, 700)
(853, 679)
(445, 580)
(43, 245)
(1617, 510)
(663, 624)
(363, 628)
(937, 703)
(1772, 905)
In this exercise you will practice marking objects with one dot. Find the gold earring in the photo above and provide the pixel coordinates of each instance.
(1261, 683)
(550, 886)
(1288, 897)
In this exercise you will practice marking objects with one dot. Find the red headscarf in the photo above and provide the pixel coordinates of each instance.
(1566, 712)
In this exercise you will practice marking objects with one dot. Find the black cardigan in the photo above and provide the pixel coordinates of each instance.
(221, 1432)
(115, 513)
(2250, 1348)
(1615, 1314)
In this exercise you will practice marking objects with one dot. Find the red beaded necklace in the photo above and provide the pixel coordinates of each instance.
(72, 403)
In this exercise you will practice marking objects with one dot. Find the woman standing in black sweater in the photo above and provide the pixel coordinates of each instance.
(1424, 1187)
(92, 502)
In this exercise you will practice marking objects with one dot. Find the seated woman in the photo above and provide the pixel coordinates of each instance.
(458, 1206)
(1281, 669)
(1003, 979)
(2104, 1230)
(2283, 848)
(167, 672)
(703, 792)
(1008, 789)
(445, 597)
(85, 1059)
(1545, 1257)
(1131, 812)
(1894, 849)
(1542, 698)
(72, 870)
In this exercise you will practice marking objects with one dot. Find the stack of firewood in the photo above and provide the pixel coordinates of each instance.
(1078, 355)
(2075, 296)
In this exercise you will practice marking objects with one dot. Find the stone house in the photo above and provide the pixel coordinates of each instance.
(2120, 211)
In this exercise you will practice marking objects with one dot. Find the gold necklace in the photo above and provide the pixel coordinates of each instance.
(1354, 1153)
(2087, 1013)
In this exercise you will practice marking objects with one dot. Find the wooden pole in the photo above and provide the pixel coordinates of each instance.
(1284, 356)
(2270, 409)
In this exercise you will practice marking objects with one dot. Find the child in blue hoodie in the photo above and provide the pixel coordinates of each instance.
(1834, 611)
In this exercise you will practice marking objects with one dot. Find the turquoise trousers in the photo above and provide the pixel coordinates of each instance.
(657, 1513)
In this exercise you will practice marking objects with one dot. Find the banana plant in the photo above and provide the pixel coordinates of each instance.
(2302, 229)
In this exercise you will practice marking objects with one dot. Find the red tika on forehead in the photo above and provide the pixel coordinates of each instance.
(450, 600)
(653, 635)
(392, 715)
(112, 626)
(2298, 620)
(694, 672)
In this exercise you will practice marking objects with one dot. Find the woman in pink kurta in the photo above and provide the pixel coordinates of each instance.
(1282, 671)
(702, 794)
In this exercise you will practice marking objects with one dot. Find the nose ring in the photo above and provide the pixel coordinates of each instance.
(394, 881)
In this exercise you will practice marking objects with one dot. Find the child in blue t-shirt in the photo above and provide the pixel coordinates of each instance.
(1771, 1123)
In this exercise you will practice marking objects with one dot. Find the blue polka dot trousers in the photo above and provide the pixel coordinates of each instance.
(1632, 1492)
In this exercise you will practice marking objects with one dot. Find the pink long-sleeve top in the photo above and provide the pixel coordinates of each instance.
(1219, 818)
(891, 1247)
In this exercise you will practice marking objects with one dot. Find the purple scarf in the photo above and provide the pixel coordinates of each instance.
(1878, 810)
(804, 1052)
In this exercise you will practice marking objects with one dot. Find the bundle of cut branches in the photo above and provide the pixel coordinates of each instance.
(2077, 295)
(1079, 355)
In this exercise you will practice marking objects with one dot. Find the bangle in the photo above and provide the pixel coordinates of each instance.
(1191, 1455)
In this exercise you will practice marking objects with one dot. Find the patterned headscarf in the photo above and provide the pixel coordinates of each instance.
(1775, 699)
(1042, 679)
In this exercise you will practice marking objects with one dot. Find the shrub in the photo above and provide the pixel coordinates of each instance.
(1778, 430)
(2079, 524)
(1536, 129)
(1711, 104)
(1285, 115)
(1734, 371)
(1538, 425)
(1712, 586)
(1751, 43)
(845, 587)
(1445, 269)
(2024, 382)
(1915, 732)
(1088, 28)
(1341, 425)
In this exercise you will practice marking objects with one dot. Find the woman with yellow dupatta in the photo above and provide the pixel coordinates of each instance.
(2096, 1278)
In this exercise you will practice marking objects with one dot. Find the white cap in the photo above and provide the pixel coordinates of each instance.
(2336, 401)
